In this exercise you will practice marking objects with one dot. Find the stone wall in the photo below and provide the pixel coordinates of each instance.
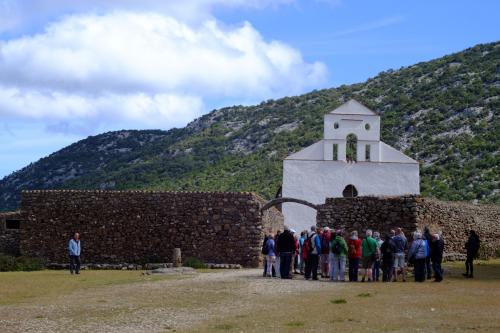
(455, 219)
(412, 212)
(139, 226)
(9, 238)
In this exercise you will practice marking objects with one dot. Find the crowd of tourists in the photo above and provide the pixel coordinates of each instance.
(373, 257)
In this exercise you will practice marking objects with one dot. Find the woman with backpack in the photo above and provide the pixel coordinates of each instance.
(338, 253)
(270, 248)
(417, 255)
(354, 255)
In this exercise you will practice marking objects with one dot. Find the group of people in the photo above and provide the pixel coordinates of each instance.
(328, 252)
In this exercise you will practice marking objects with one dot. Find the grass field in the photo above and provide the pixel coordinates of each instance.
(243, 301)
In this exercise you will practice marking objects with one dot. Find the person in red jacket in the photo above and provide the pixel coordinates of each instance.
(354, 255)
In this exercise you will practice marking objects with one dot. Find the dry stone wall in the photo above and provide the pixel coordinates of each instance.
(455, 219)
(139, 226)
(9, 238)
(450, 219)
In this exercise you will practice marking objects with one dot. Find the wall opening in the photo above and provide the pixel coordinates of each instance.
(351, 148)
(335, 152)
(12, 224)
(367, 153)
(350, 191)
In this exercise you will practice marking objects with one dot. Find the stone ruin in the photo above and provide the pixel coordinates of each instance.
(145, 226)
(452, 219)
(136, 227)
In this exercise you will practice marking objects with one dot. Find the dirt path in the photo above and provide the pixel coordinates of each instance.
(244, 301)
(149, 306)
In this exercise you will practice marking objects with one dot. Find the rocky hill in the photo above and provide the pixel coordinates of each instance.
(444, 113)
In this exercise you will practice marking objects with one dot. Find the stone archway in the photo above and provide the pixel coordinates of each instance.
(279, 201)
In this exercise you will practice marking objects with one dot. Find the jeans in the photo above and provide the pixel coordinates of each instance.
(428, 267)
(312, 262)
(337, 267)
(376, 270)
(74, 264)
(285, 264)
(419, 270)
(438, 270)
(469, 266)
(270, 263)
(353, 269)
(302, 264)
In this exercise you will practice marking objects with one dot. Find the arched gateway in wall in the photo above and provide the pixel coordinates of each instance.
(279, 201)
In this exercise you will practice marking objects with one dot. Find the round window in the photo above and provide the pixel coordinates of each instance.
(367, 127)
(336, 125)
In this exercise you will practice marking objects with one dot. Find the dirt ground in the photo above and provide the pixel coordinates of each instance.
(244, 301)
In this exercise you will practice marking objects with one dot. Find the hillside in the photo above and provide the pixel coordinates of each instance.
(444, 113)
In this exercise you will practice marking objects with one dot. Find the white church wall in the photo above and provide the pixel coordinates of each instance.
(316, 180)
(312, 152)
(389, 154)
(352, 124)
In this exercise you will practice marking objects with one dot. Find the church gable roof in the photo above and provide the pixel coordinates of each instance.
(353, 107)
(312, 153)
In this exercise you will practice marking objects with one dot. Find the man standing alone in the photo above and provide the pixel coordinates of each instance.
(74, 248)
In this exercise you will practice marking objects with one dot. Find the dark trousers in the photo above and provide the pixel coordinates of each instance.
(387, 270)
(312, 266)
(376, 270)
(74, 264)
(353, 269)
(428, 267)
(438, 271)
(285, 264)
(419, 270)
(469, 266)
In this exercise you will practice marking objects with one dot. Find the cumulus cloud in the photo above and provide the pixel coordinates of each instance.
(152, 68)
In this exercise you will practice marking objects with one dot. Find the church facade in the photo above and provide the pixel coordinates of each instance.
(350, 161)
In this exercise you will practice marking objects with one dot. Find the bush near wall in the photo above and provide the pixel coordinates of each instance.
(15, 264)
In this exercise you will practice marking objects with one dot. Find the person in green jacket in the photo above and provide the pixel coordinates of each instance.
(369, 252)
(338, 254)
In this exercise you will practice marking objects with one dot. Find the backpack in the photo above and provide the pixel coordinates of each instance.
(352, 250)
(336, 248)
(308, 247)
(325, 243)
(265, 249)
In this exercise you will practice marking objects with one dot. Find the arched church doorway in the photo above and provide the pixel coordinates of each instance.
(351, 148)
(350, 191)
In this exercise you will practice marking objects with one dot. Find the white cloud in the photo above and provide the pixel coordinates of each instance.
(146, 67)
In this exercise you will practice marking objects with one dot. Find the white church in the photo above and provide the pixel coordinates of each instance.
(350, 161)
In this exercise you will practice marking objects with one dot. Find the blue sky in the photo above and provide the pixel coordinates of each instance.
(73, 69)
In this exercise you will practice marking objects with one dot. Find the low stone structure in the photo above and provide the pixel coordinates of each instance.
(10, 224)
(144, 226)
(452, 219)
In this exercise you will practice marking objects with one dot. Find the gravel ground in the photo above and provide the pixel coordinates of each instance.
(150, 306)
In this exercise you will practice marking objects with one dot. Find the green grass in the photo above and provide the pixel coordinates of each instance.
(22, 286)
(295, 324)
(365, 295)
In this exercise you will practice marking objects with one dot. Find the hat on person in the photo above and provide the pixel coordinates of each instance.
(293, 231)
(326, 229)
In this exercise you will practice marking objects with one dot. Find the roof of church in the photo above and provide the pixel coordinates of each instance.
(354, 107)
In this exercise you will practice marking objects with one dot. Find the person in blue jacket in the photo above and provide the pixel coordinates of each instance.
(419, 251)
(74, 248)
